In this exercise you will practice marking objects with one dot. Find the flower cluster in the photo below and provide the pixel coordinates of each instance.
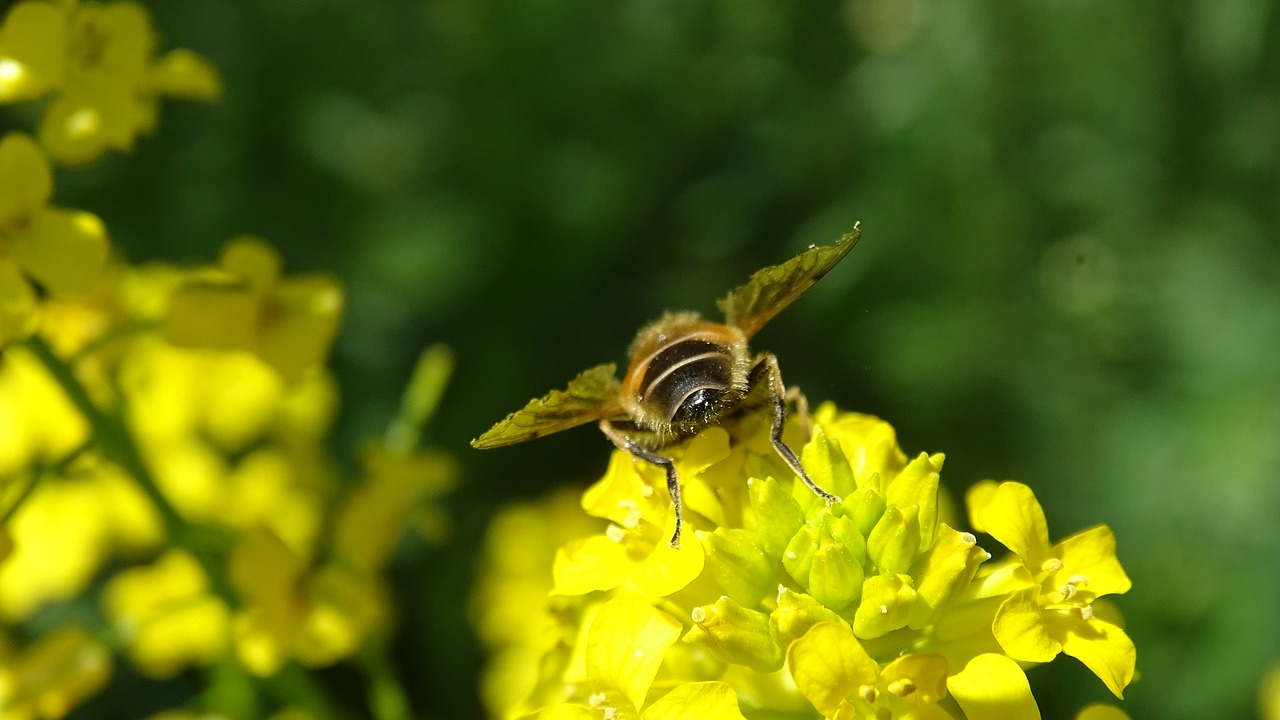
(166, 487)
(98, 63)
(780, 606)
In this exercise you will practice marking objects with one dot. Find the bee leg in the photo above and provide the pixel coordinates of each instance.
(673, 482)
(767, 364)
(801, 403)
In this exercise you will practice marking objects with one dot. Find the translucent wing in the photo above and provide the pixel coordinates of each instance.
(769, 290)
(590, 396)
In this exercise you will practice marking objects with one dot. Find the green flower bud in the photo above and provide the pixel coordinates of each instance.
(798, 557)
(867, 506)
(736, 635)
(943, 572)
(844, 531)
(886, 605)
(835, 577)
(775, 516)
(917, 485)
(739, 565)
(795, 614)
(895, 540)
(827, 465)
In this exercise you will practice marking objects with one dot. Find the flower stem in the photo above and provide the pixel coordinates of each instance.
(387, 698)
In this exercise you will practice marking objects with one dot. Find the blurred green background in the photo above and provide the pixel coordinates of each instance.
(1069, 273)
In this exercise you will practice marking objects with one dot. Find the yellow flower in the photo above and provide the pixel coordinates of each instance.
(315, 617)
(54, 675)
(373, 513)
(99, 61)
(61, 250)
(166, 615)
(624, 649)
(1053, 607)
(836, 674)
(513, 612)
(872, 608)
(66, 529)
(1269, 693)
(244, 304)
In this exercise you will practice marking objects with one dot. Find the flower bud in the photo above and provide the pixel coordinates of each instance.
(827, 465)
(886, 605)
(943, 572)
(867, 505)
(739, 565)
(736, 635)
(895, 540)
(775, 516)
(795, 614)
(835, 576)
(917, 485)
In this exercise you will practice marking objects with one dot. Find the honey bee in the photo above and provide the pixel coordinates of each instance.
(685, 374)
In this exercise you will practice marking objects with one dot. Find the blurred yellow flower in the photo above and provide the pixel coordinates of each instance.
(52, 676)
(61, 250)
(1269, 693)
(289, 613)
(244, 304)
(373, 513)
(66, 529)
(166, 616)
(98, 60)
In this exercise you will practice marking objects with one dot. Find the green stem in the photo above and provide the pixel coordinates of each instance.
(40, 474)
(294, 686)
(387, 698)
(113, 438)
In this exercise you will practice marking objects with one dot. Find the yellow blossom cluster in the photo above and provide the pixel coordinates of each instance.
(782, 607)
(97, 61)
(164, 461)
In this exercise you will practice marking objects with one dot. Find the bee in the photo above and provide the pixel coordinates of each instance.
(685, 374)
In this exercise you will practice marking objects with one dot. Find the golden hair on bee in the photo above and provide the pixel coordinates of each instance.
(685, 374)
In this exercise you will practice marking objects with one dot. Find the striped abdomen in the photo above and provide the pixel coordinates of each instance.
(685, 374)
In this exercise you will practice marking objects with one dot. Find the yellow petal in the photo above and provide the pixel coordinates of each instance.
(84, 121)
(1106, 650)
(17, 304)
(625, 645)
(828, 664)
(1014, 517)
(299, 324)
(126, 38)
(1092, 553)
(696, 701)
(925, 672)
(25, 180)
(667, 570)
(589, 564)
(185, 74)
(563, 711)
(33, 51)
(64, 250)
(212, 311)
(1098, 711)
(251, 258)
(993, 687)
(976, 499)
(1020, 628)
